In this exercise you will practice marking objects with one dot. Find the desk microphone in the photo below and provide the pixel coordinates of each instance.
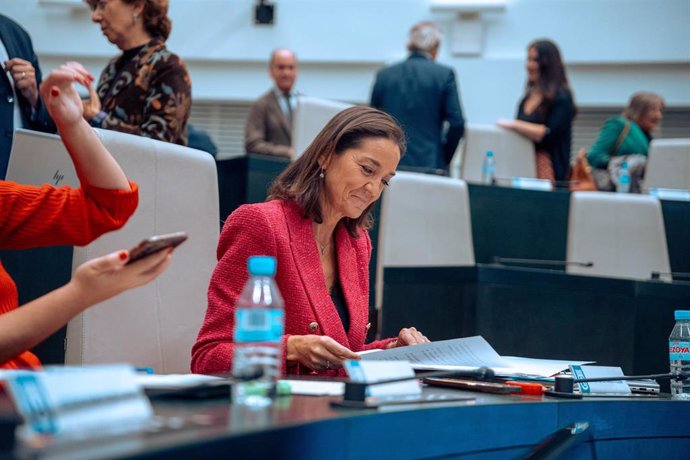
(560, 263)
(357, 391)
(564, 384)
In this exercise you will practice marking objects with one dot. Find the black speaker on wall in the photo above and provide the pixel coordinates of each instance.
(264, 13)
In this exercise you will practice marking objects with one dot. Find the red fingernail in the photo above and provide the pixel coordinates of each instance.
(54, 92)
(122, 255)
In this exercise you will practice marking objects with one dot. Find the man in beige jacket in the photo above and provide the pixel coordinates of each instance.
(269, 124)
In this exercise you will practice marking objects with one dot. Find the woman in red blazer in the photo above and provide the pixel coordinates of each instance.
(315, 226)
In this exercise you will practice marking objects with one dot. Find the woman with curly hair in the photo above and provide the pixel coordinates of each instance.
(146, 90)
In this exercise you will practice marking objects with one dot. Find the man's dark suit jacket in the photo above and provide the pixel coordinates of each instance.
(267, 130)
(18, 44)
(422, 95)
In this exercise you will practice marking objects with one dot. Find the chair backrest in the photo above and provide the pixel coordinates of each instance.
(623, 235)
(309, 118)
(154, 325)
(425, 222)
(668, 165)
(514, 154)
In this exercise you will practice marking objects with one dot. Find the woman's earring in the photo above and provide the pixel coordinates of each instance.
(135, 17)
(322, 174)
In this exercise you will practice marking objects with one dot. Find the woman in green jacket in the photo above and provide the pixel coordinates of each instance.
(625, 139)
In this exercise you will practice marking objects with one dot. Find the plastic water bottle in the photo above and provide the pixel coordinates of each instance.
(489, 168)
(679, 354)
(623, 179)
(259, 321)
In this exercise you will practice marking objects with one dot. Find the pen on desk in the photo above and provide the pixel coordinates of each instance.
(144, 370)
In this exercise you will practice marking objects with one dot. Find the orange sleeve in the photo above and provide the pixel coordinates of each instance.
(32, 216)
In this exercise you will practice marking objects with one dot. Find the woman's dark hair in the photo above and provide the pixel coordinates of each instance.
(641, 103)
(154, 16)
(301, 181)
(552, 76)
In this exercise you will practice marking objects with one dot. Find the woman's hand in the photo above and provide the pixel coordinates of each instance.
(61, 99)
(505, 123)
(102, 278)
(318, 352)
(408, 336)
(24, 76)
(92, 105)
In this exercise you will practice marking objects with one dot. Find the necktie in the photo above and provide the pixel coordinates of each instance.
(289, 107)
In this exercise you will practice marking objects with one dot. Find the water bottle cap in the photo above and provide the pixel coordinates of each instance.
(489, 153)
(682, 315)
(624, 164)
(262, 265)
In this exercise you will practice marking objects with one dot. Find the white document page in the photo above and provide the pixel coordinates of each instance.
(469, 353)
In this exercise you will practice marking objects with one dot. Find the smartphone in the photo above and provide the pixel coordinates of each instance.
(155, 244)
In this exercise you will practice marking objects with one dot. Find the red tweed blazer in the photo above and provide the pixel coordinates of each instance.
(277, 228)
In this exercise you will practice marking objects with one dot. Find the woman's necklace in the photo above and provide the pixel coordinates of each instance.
(323, 246)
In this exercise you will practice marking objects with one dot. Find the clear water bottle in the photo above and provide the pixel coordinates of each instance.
(259, 321)
(623, 179)
(679, 354)
(489, 168)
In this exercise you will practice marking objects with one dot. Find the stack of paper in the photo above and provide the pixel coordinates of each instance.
(469, 353)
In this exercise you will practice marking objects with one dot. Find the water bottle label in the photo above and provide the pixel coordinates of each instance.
(258, 325)
(679, 351)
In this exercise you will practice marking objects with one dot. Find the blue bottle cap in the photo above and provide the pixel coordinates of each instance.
(262, 265)
(489, 153)
(682, 315)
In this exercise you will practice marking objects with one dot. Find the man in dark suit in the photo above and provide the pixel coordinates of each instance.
(20, 102)
(423, 96)
(268, 129)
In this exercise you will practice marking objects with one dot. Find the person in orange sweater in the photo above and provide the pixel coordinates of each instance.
(43, 216)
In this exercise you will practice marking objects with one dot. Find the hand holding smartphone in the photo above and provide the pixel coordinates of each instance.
(154, 244)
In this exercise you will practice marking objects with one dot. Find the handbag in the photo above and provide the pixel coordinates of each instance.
(581, 178)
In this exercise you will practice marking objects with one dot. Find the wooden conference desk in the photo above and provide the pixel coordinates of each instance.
(492, 426)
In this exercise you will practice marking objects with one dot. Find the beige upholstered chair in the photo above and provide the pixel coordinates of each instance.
(309, 118)
(622, 234)
(514, 154)
(154, 325)
(668, 165)
(425, 222)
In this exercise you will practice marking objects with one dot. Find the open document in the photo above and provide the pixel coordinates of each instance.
(467, 353)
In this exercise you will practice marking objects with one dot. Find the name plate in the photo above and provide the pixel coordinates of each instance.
(528, 183)
(78, 402)
(376, 371)
(584, 372)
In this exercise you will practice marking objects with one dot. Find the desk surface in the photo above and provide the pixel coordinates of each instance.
(492, 426)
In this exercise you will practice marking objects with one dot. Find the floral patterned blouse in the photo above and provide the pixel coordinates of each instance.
(148, 94)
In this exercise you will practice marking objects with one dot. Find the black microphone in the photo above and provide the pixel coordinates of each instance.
(560, 263)
(357, 391)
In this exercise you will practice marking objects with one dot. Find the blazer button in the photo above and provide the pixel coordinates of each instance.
(313, 326)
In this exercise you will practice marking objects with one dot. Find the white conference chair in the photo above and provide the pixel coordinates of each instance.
(668, 164)
(425, 222)
(309, 118)
(514, 153)
(623, 235)
(157, 324)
